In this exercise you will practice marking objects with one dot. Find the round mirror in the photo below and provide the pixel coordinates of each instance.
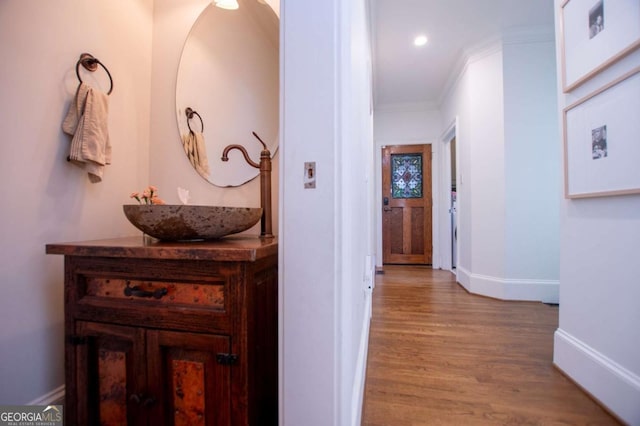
(227, 88)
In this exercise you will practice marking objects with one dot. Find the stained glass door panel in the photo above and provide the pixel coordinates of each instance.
(406, 175)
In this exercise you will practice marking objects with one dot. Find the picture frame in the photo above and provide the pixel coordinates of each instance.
(595, 34)
(601, 137)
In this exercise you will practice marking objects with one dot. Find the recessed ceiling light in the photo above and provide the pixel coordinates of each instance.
(420, 40)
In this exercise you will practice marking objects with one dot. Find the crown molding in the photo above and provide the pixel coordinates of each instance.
(406, 107)
(509, 36)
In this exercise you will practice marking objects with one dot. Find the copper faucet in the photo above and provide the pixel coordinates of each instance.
(265, 182)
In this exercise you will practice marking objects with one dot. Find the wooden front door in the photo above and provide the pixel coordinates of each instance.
(406, 204)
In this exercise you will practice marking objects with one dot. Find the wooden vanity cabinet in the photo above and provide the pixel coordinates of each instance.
(170, 333)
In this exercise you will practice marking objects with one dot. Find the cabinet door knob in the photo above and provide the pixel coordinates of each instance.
(135, 398)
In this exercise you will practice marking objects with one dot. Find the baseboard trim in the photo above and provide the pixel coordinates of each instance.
(547, 291)
(49, 398)
(357, 395)
(463, 277)
(613, 386)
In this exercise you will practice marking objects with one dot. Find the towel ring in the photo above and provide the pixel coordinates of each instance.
(190, 113)
(91, 64)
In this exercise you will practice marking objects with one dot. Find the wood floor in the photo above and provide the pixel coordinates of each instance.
(441, 356)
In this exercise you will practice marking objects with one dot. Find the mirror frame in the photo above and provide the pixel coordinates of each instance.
(244, 89)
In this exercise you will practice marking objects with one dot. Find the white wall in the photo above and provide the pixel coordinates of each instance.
(532, 162)
(308, 278)
(507, 213)
(532, 167)
(486, 172)
(407, 123)
(476, 99)
(169, 166)
(45, 198)
(326, 231)
(598, 340)
(356, 207)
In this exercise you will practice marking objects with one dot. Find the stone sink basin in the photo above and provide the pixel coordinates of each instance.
(185, 222)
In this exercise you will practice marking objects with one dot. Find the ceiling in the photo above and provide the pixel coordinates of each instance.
(404, 74)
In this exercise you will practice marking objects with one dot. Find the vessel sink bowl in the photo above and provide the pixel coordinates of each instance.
(185, 222)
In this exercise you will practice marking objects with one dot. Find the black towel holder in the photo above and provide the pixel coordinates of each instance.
(90, 63)
(189, 112)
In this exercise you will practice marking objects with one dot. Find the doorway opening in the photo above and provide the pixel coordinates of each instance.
(454, 204)
(449, 198)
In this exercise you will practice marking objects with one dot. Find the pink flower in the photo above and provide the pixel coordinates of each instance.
(148, 195)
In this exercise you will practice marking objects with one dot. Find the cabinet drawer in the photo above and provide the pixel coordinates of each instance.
(199, 304)
(210, 295)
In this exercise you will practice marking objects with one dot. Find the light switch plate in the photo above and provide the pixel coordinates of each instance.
(309, 175)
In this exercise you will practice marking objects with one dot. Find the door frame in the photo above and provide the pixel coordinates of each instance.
(435, 185)
(445, 226)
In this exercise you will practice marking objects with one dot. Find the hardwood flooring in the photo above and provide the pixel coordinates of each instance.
(441, 356)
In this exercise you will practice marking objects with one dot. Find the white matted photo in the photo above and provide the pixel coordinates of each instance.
(602, 141)
(596, 34)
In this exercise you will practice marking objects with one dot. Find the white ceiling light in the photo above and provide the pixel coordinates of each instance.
(226, 4)
(420, 40)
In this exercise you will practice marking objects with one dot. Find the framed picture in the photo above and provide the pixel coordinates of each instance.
(594, 35)
(602, 141)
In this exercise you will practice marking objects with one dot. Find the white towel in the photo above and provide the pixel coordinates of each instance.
(194, 147)
(87, 122)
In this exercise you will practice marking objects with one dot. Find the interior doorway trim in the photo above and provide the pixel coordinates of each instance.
(445, 224)
(435, 186)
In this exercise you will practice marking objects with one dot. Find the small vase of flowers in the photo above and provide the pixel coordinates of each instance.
(148, 196)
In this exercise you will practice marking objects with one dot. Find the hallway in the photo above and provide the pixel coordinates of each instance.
(441, 356)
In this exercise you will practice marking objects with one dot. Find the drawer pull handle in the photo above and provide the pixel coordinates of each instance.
(138, 292)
